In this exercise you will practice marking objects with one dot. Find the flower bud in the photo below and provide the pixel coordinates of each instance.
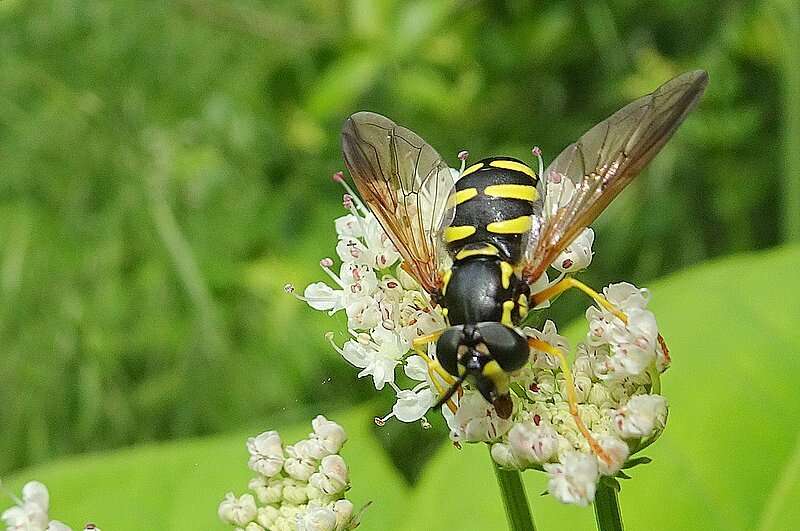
(316, 519)
(329, 433)
(573, 480)
(641, 416)
(344, 514)
(267, 516)
(332, 476)
(617, 450)
(266, 453)
(533, 444)
(237, 511)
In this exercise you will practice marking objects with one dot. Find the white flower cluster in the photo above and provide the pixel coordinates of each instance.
(615, 371)
(299, 487)
(386, 309)
(31, 512)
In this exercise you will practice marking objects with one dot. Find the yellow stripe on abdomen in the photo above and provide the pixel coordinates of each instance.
(512, 191)
(464, 195)
(472, 169)
(452, 234)
(513, 165)
(518, 225)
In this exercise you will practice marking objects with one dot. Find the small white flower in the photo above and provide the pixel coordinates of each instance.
(316, 519)
(349, 226)
(641, 416)
(31, 513)
(578, 255)
(36, 493)
(267, 516)
(574, 479)
(344, 515)
(322, 297)
(503, 456)
(332, 476)
(416, 368)
(294, 491)
(329, 433)
(55, 525)
(299, 465)
(237, 511)
(379, 358)
(363, 313)
(532, 444)
(266, 453)
(617, 450)
(476, 420)
(548, 334)
(267, 490)
(412, 405)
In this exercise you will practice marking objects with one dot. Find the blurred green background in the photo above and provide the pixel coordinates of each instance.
(164, 171)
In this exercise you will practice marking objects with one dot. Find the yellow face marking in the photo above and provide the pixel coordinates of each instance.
(518, 225)
(472, 169)
(506, 270)
(497, 375)
(512, 191)
(522, 303)
(508, 307)
(445, 311)
(452, 234)
(489, 250)
(446, 280)
(512, 165)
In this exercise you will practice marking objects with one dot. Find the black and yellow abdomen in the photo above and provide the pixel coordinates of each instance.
(494, 206)
(495, 203)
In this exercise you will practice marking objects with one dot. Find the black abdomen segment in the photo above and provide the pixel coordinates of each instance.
(494, 205)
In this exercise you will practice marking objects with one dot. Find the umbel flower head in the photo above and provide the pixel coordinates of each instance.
(615, 369)
(298, 487)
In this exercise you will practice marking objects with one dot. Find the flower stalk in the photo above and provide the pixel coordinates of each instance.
(606, 508)
(515, 502)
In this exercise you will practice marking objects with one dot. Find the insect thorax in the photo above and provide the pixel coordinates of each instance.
(481, 288)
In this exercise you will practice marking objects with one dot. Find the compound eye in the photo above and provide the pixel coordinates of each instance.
(447, 349)
(505, 344)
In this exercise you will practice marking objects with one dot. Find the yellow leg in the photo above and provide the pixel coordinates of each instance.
(572, 397)
(569, 282)
(419, 345)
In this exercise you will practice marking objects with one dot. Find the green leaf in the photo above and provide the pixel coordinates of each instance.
(179, 485)
(636, 461)
(730, 456)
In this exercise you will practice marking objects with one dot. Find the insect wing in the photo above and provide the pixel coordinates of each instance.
(407, 186)
(580, 183)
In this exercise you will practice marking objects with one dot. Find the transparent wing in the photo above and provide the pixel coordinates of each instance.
(407, 186)
(580, 183)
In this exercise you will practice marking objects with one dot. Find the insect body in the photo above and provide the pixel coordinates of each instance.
(477, 245)
(495, 201)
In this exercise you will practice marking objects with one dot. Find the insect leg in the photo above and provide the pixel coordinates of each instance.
(435, 371)
(570, 282)
(572, 397)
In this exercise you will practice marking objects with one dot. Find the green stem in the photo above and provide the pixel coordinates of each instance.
(515, 502)
(606, 508)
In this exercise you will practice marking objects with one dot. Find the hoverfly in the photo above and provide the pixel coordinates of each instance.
(477, 244)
